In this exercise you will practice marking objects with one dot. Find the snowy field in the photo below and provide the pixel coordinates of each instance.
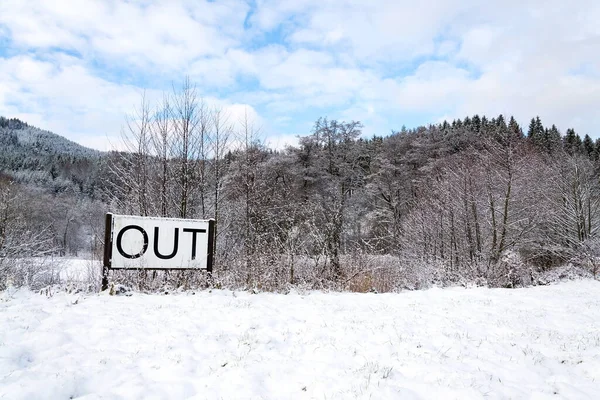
(534, 343)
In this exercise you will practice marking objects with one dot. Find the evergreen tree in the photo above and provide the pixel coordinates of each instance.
(588, 146)
(578, 144)
(536, 131)
(500, 122)
(531, 130)
(570, 141)
(484, 123)
(514, 128)
(476, 123)
(597, 149)
(539, 128)
(552, 139)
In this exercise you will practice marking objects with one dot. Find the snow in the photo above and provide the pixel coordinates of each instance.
(534, 343)
(77, 269)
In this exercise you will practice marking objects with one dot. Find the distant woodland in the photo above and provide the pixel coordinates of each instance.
(480, 200)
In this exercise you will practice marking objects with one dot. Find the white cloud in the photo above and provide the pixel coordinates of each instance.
(68, 100)
(62, 96)
(167, 35)
(376, 61)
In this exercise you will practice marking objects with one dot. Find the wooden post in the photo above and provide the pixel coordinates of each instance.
(211, 246)
(107, 250)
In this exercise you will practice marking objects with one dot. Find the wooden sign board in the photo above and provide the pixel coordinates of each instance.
(133, 242)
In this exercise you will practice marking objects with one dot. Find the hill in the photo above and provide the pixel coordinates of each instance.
(32, 155)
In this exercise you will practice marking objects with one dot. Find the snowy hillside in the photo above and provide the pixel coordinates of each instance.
(19, 136)
(537, 343)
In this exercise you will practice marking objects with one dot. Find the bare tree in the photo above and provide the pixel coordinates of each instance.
(130, 169)
(186, 144)
(23, 243)
(575, 192)
(335, 174)
(161, 149)
(219, 145)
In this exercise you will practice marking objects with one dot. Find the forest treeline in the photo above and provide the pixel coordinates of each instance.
(479, 200)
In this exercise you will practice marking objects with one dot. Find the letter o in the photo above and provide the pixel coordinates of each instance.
(120, 237)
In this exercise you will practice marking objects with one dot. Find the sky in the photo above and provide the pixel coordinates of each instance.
(78, 67)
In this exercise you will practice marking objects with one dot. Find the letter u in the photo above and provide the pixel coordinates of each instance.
(175, 245)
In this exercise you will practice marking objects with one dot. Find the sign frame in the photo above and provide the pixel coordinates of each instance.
(108, 247)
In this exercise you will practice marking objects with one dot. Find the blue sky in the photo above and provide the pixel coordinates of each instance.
(78, 67)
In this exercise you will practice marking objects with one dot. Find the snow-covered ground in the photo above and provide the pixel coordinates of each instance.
(534, 343)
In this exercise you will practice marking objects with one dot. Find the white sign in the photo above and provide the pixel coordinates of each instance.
(158, 243)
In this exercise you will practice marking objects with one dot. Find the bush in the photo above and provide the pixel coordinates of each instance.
(510, 272)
